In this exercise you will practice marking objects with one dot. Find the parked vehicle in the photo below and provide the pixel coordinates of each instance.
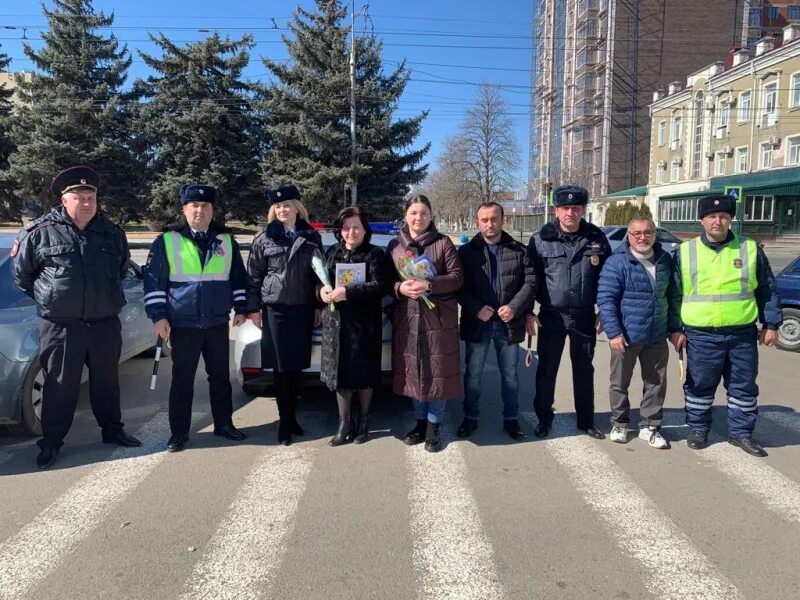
(21, 376)
(247, 344)
(788, 283)
(616, 235)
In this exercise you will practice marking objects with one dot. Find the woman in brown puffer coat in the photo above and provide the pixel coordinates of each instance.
(426, 359)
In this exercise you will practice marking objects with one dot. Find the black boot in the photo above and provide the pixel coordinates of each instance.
(416, 435)
(344, 433)
(362, 433)
(433, 439)
(284, 422)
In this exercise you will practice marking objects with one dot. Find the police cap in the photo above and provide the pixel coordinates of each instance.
(283, 193)
(716, 203)
(74, 178)
(195, 192)
(570, 195)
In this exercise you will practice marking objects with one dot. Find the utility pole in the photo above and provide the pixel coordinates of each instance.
(353, 152)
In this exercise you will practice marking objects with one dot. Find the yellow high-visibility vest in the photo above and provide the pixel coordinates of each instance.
(719, 287)
(184, 259)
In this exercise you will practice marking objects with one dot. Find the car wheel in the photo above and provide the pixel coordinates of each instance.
(31, 402)
(789, 332)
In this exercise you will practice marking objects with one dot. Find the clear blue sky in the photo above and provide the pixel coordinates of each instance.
(450, 45)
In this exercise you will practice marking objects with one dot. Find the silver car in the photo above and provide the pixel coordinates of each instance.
(616, 235)
(21, 376)
(247, 344)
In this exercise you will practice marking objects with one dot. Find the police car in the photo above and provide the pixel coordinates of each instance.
(247, 343)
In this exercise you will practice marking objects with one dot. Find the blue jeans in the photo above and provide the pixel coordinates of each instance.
(433, 410)
(507, 358)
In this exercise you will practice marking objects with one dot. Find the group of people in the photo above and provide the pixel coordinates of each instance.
(706, 299)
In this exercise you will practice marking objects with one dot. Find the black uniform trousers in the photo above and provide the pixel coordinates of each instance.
(187, 346)
(556, 327)
(64, 349)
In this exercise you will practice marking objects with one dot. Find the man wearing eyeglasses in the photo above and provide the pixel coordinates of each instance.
(727, 286)
(640, 306)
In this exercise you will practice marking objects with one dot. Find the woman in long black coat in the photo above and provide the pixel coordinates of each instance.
(352, 333)
(280, 267)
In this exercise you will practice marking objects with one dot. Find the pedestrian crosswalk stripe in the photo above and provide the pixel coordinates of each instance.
(244, 555)
(38, 548)
(453, 558)
(754, 475)
(673, 567)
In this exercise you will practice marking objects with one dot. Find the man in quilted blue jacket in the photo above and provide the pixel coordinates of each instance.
(640, 306)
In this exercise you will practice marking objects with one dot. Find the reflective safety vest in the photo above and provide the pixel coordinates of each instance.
(718, 287)
(185, 264)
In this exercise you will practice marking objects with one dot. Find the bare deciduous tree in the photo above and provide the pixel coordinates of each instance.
(449, 187)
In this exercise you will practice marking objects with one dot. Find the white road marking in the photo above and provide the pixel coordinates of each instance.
(779, 493)
(453, 558)
(671, 567)
(244, 555)
(30, 555)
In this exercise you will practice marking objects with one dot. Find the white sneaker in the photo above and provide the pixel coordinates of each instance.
(653, 437)
(619, 434)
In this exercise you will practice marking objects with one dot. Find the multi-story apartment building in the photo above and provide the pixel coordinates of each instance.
(598, 64)
(761, 18)
(736, 123)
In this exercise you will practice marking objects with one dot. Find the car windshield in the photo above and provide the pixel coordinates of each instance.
(662, 235)
(10, 296)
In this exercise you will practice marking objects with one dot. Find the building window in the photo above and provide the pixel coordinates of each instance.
(741, 160)
(774, 13)
(744, 107)
(684, 209)
(793, 13)
(754, 17)
(794, 92)
(676, 130)
(721, 163)
(660, 171)
(770, 97)
(766, 156)
(698, 156)
(793, 152)
(662, 133)
(724, 113)
(675, 174)
(758, 208)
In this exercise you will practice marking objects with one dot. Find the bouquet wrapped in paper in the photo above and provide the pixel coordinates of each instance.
(318, 264)
(416, 267)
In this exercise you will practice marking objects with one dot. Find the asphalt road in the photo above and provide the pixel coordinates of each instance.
(568, 517)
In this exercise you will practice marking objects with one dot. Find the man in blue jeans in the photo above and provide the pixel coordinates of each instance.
(498, 291)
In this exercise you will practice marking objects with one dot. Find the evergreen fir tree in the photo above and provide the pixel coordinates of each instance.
(196, 123)
(10, 206)
(307, 112)
(72, 111)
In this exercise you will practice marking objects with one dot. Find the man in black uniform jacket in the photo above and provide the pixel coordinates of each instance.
(72, 262)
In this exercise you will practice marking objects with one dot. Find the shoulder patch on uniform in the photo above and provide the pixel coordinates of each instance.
(15, 248)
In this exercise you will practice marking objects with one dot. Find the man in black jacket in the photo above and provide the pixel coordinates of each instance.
(498, 291)
(72, 262)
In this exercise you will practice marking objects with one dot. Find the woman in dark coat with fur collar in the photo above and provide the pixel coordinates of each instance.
(280, 268)
(352, 333)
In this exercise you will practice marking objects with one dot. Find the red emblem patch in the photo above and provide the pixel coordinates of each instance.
(220, 251)
(15, 248)
(737, 263)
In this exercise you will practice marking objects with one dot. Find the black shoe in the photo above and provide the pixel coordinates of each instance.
(594, 432)
(542, 430)
(416, 435)
(433, 438)
(468, 425)
(284, 432)
(47, 456)
(697, 440)
(362, 431)
(177, 442)
(513, 429)
(230, 432)
(748, 445)
(121, 438)
(345, 432)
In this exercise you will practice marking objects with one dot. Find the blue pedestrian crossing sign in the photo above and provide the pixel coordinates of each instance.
(735, 191)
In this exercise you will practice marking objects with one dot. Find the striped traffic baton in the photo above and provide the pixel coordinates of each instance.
(157, 359)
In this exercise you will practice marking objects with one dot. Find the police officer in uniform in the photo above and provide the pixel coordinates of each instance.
(72, 262)
(567, 254)
(193, 278)
(727, 285)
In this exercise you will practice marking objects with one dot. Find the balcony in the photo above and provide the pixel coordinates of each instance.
(587, 9)
(586, 59)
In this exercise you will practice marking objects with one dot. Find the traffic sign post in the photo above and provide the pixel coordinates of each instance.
(737, 192)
